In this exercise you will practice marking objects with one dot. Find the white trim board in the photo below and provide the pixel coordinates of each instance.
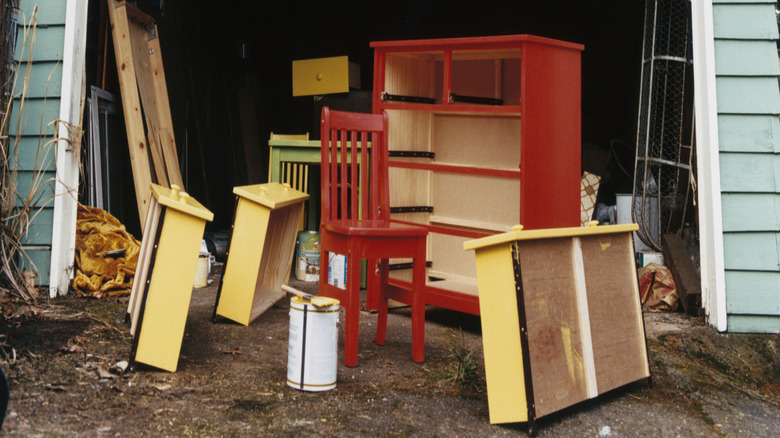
(713, 276)
(67, 179)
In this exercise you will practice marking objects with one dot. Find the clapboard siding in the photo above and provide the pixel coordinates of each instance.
(754, 292)
(38, 117)
(744, 21)
(42, 159)
(40, 259)
(746, 68)
(749, 133)
(49, 11)
(39, 232)
(45, 49)
(31, 124)
(755, 251)
(748, 95)
(754, 323)
(749, 172)
(751, 212)
(745, 58)
(36, 185)
(45, 79)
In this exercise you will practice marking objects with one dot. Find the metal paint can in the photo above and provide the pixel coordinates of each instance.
(312, 352)
(307, 256)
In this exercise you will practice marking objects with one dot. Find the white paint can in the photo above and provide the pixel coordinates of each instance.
(337, 270)
(312, 352)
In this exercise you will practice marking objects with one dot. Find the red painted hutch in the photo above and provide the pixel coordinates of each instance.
(484, 134)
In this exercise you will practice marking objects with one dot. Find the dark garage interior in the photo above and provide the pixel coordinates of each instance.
(229, 78)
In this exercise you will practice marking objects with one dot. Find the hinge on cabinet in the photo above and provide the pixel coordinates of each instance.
(410, 265)
(387, 97)
(456, 98)
(412, 209)
(411, 154)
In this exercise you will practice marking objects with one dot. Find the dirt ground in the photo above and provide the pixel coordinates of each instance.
(231, 381)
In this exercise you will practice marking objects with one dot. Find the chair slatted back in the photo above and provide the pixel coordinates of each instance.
(353, 191)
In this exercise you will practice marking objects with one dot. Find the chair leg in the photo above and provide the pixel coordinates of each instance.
(372, 285)
(352, 323)
(418, 304)
(381, 320)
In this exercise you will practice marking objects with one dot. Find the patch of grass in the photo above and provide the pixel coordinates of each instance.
(462, 369)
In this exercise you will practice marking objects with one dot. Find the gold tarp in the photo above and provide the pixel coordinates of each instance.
(97, 273)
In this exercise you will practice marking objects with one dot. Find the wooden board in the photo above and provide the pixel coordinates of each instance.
(686, 279)
(151, 230)
(145, 100)
(553, 323)
(615, 311)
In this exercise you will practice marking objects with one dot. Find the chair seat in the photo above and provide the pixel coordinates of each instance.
(373, 228)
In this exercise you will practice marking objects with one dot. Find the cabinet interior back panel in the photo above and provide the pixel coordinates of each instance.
(450, 261)
(409, 130)
(410, 75)
(480, 199)
(409, 188)
(480, 78)
(480, 141)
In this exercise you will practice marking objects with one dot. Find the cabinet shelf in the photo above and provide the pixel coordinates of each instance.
(453, 168)
(452, 108)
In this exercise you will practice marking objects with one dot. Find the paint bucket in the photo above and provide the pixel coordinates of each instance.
(202, 270)
(337, 270)
(312, 353)
(644, 258)
(307, 256)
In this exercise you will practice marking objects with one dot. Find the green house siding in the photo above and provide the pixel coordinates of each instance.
(32, 126)
(747, 69)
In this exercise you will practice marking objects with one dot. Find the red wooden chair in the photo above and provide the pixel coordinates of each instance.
(356, 223)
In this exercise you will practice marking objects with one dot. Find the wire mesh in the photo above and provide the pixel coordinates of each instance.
(660, 178)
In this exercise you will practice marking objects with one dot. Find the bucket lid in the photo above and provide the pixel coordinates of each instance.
(316, 301)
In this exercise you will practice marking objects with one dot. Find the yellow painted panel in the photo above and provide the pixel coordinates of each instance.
(241, 269)
(501, 335)
(518, 233)
(181, 201)
(170, 289)
(271, 195)
(320, 76)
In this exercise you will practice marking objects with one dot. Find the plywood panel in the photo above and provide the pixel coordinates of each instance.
(617, 330)
(476, 198)
(553, 321)
(478, 141)
(449, 259)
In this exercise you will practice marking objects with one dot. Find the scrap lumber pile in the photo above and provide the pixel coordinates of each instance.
(145, 101)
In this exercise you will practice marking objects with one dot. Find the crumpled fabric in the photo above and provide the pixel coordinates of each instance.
(98, 274)
(657, 290)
